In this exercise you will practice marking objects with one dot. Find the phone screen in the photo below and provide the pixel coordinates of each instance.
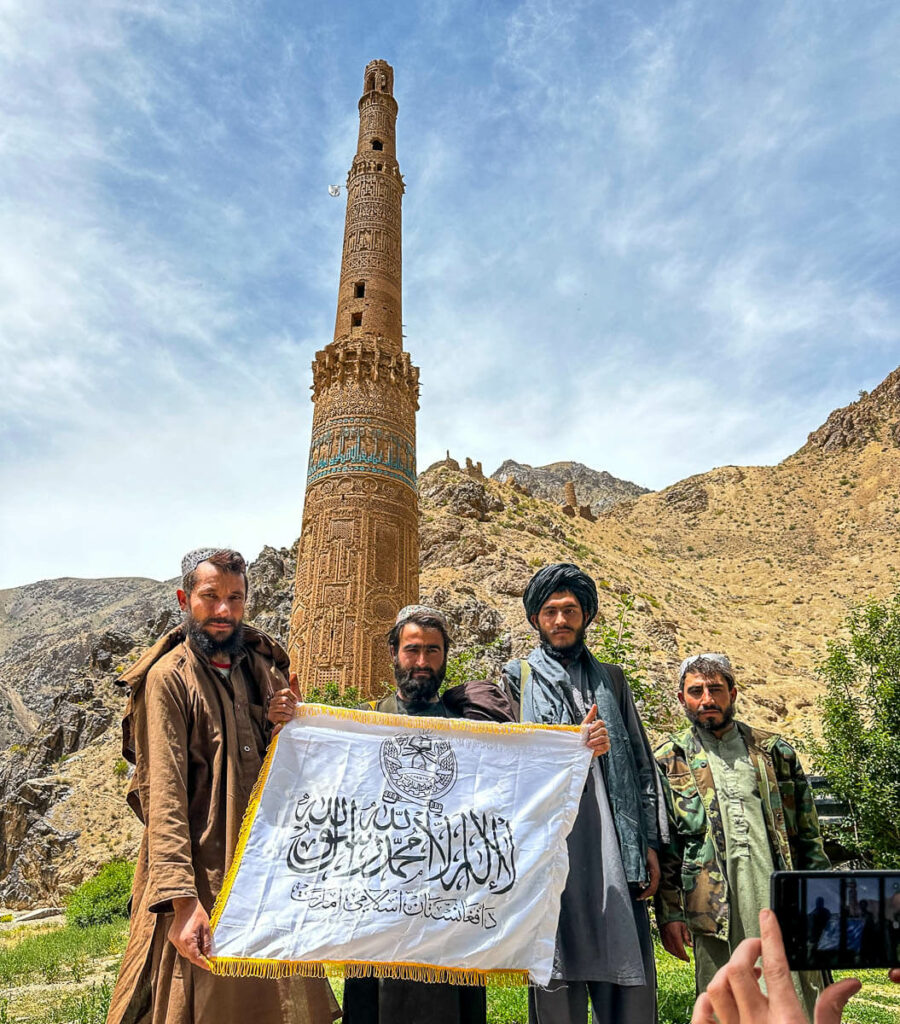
(838, 919)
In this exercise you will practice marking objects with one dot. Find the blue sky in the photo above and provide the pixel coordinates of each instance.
(654, 238)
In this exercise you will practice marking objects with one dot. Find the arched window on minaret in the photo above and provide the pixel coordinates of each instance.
(370, 82)
(377, 144)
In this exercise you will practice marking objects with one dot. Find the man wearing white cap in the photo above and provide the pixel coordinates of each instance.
(196, 732)
(739, 808)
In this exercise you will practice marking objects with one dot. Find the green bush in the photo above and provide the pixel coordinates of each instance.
(330, 693)
(471, 663)
(615, 642)
(859, 752)
(103, 898)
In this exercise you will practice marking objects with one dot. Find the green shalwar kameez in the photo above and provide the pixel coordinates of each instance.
(748, 860)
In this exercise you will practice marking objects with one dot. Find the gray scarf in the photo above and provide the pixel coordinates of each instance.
(550, 699)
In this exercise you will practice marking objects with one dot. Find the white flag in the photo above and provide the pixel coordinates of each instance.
(424, 848)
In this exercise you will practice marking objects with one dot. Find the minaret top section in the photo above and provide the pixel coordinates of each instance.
(379, 77)
(378, 113)
(369, 293)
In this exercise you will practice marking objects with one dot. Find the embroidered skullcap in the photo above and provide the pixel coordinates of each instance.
(193, 558)
(552, 579)
(405, 614)
(706, 663)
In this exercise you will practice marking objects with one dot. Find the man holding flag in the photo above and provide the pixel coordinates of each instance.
(603, 948)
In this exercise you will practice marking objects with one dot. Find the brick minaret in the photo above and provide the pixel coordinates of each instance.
(358, 561)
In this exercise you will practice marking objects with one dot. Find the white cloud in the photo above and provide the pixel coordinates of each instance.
(615, 215)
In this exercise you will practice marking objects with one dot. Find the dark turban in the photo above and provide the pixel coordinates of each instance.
(562, 576)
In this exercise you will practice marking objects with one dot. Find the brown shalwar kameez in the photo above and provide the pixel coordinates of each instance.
(197, 738)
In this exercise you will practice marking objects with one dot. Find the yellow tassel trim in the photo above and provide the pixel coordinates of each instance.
(235, 967)
(424, 722)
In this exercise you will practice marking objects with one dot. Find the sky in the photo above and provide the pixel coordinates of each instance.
(654, 238)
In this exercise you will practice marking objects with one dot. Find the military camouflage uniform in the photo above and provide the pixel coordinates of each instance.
(694, 886)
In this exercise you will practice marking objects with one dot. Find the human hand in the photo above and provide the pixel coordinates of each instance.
(283, 704)
(653, 874)
(595, 736)
(734, 995)
(675, 936)
(189, 932)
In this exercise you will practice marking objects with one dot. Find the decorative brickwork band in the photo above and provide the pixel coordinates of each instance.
(358, 445)
(358, 558)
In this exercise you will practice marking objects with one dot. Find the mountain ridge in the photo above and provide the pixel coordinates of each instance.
(595, 488)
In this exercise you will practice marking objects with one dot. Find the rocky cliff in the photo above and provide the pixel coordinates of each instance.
(875, 417)
(599, 490)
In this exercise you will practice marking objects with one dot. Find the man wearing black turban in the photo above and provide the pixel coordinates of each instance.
(603, 948)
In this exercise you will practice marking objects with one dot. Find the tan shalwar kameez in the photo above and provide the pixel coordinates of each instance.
(197, 739)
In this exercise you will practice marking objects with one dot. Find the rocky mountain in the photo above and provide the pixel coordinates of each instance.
(874, 417)
(600, 490)
(761, 562)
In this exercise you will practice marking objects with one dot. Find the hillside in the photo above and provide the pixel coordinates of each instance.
(759, 561)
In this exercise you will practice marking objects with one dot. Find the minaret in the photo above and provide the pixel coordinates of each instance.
(358, 561)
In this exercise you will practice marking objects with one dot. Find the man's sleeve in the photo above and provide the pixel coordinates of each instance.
(668, 901)
(170, 869)
(511, 684)
(643, 758)
(810, 851)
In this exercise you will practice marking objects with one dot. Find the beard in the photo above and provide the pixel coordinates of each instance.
(726, 717)
(568, 651)
(418, 690)
(229, 645)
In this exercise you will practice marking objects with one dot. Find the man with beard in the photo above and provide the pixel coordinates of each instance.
(195, 730)
(604, 951)
(739, 808)
(418, 643)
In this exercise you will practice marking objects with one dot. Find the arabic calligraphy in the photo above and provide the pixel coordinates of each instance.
(358, 446)
(356, 899)
(336, 837)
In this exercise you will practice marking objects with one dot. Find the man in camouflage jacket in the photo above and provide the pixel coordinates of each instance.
(695, 904)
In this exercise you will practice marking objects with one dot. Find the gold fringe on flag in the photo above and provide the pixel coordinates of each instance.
(423, 722)
(237, 967)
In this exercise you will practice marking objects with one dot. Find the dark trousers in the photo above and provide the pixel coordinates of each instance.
(566, 1002)
(390, 1001)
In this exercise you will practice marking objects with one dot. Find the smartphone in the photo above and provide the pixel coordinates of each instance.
(838, 919)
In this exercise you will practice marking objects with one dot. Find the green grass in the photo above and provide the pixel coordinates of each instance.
(507, 1005)
(90, 1007)
(675, 987)
(877, 1003)
(64, 954)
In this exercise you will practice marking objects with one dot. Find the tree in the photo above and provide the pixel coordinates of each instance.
(859, 753)
(614, 642)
